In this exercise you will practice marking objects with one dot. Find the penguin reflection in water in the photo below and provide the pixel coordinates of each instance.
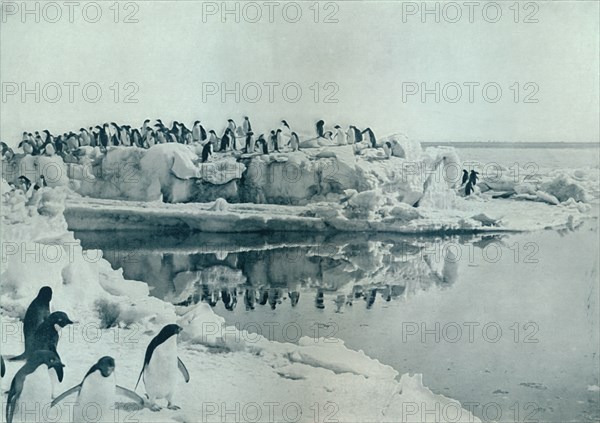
(97, 393)
(161, 368)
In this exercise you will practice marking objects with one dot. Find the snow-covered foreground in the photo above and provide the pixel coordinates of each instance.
(235, 376)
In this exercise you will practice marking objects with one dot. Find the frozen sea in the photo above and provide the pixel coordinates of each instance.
(508, 325)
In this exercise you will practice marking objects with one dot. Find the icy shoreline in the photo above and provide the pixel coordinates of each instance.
(235, 375)
(492, 216)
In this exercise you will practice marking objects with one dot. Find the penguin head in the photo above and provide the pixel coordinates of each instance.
(147, 121)
(59, 318)
(45, 292)
(106, 365)
(170, 330)
(196, 122)
(49, 358)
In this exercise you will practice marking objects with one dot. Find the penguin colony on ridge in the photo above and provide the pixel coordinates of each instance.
(33, 386)
(69, 145)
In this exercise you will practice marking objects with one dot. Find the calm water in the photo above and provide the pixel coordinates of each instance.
(506, 323)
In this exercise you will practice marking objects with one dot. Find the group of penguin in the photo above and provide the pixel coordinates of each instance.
(33, 384)
(45, 143)
(469, 180)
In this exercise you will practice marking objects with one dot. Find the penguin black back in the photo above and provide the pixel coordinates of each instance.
(36, 313)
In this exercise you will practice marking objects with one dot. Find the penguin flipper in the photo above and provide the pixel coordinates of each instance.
(17, 357)
(130, 394)
(73, 390)
(139, 377)
(183, 370)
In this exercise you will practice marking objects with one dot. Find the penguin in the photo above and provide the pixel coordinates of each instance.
(136, 138)
(46, 335)
(473, 177)
(41, 183)
(160, 136)
(24, 182)
(249, 141)
(465, 176)
(2, 367)
(145, 128)
(328, 135)
(294, 142)
(372, 138)
(31, 388)
(468, 188)
(275, 140)
(49, 149)
(206, 151)
(160, 367)
(319, 126)
(285, 125)
(98, 388)
(198, 132)
(103, 135)
(231, 125)
(387, 148)
(263, 142)
(84, 137)
(225, 140)
(351, 139)
(36, 313)
(213, 137)
(246, 126)
(28, 148)
(357, 135)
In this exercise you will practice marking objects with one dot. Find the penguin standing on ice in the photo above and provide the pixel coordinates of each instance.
(473, 177)
(225, 140)
(275, 139)
(249, 141)
(263, 143)
(372, 138)
(231, 125)
(465, 176)
(340, 134)
(356, 134)
(97, 393)
(31, 388)
(319, 126)
(207, 150)
(162, 366)
(468, 189)
(246, 126)
(198, 132)
(294, 142)
(387, 148)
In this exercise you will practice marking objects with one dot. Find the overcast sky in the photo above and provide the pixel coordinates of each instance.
(370, 57)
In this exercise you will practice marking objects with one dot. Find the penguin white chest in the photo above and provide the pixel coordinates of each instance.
(96, 399)
(35, 397)
(161, 373)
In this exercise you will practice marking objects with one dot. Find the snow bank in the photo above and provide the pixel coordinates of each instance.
(251, 370)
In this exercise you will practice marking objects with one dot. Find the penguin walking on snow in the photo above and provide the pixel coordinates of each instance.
(97, 393)
(161, 368)
(31, 388)
(249, 141)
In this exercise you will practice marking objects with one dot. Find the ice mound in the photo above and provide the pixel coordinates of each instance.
(563, 187)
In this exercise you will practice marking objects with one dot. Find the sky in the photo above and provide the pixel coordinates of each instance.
(359, 63)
